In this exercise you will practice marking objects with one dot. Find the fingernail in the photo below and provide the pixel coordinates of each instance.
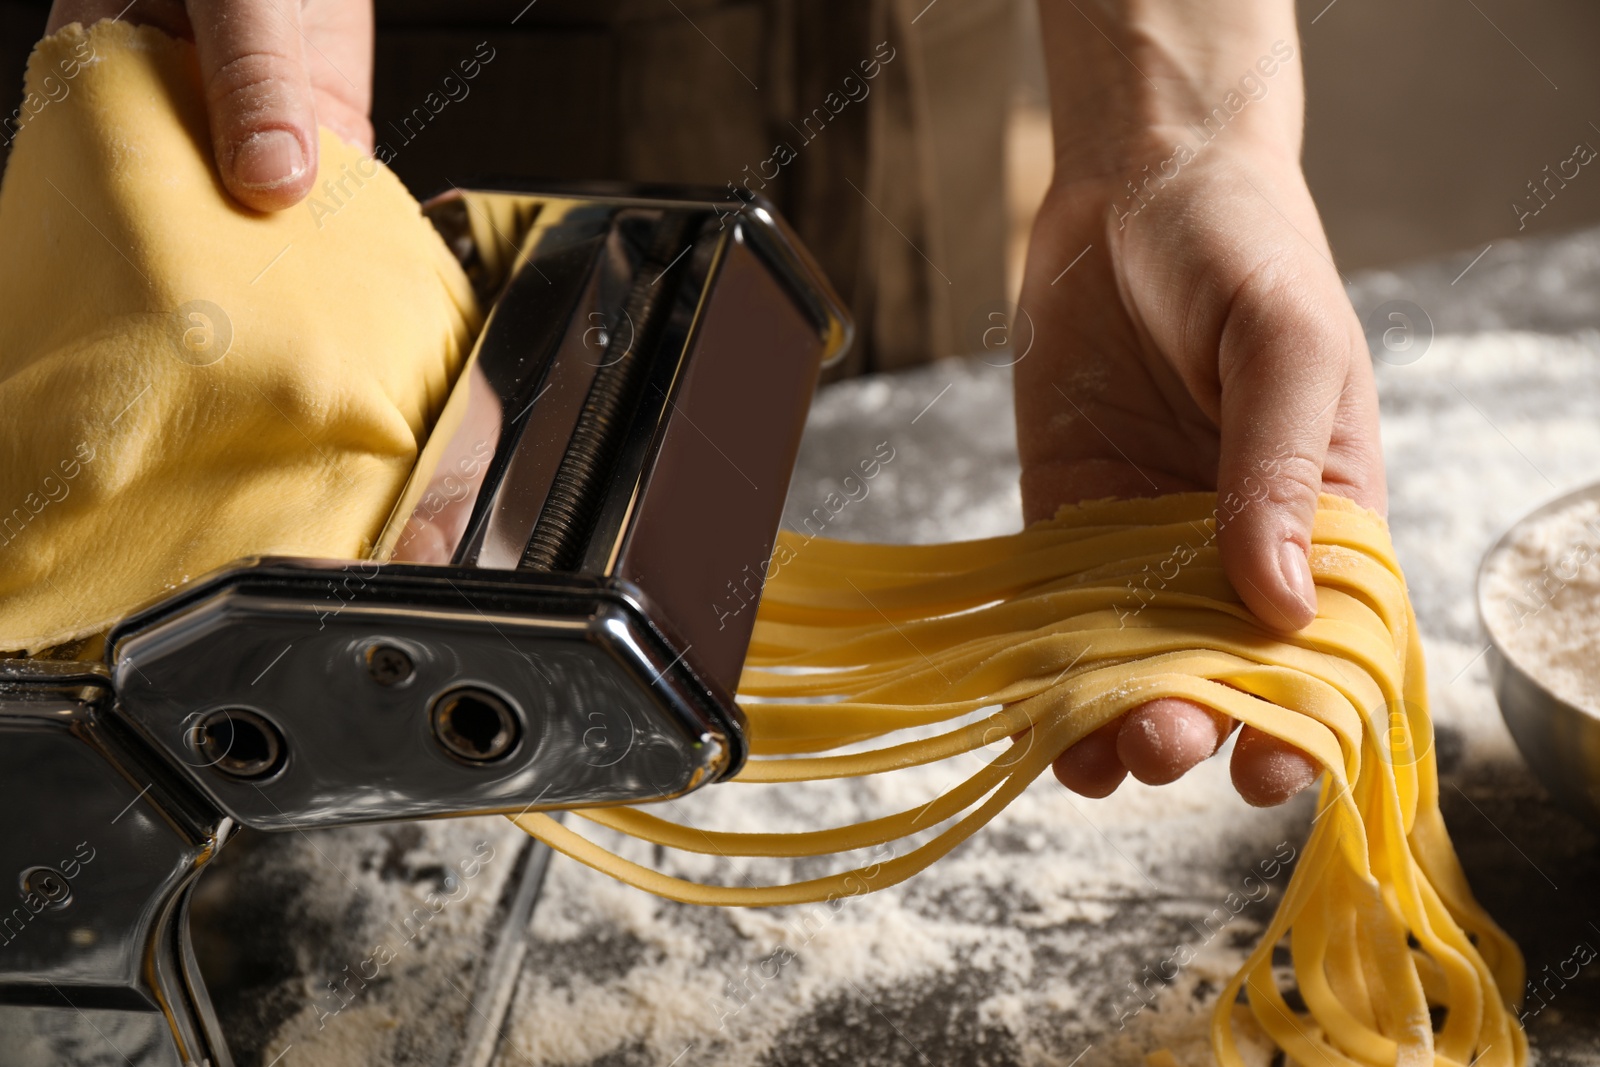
(1296, 570)
(268, 159)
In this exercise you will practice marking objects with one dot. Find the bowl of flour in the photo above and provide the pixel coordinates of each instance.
(1539, 600)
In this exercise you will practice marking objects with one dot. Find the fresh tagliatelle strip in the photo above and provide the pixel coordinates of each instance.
(1044, 636)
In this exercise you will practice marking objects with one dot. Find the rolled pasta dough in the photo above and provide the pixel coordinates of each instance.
(184, 382)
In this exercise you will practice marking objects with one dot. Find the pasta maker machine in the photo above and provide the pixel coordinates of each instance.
(537, 628)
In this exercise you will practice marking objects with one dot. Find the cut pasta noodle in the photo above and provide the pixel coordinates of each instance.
(1043, 636)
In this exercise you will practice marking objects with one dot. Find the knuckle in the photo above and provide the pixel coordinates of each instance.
(253, 83)
(1293, 479)
(1286, 480)
(1277, 318)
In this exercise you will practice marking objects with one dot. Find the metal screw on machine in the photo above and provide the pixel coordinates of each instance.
(47, 884)
(389, 666)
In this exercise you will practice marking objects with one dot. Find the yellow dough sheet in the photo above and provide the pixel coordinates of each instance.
(185, 382)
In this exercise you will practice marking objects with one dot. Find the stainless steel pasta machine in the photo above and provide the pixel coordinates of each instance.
(539, 628)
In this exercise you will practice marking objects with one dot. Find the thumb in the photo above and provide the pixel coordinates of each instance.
(258, 94)
(1284, 365)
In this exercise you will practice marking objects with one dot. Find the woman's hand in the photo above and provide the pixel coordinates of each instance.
(1201, 339)
(274, 70)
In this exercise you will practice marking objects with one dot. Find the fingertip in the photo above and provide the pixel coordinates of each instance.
(1267, 771)
(260, 100)
(1271, 572)
(1091, 767)
(270, 169)
(1161, 741)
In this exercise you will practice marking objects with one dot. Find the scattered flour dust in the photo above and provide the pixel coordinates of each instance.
(383, 980)
(1541, 599)
(1024, 947)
